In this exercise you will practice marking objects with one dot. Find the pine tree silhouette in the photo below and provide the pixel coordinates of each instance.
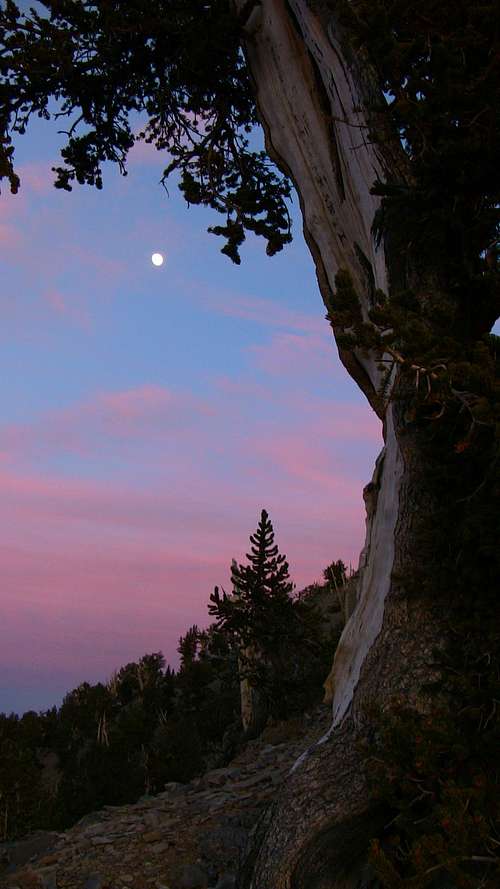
(260, 609)
(188, 647)
(259, 618)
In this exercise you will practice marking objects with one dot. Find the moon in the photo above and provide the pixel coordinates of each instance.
(157, 259)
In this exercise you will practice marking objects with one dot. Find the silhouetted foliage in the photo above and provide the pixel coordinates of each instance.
(260, 608)
(278, 638)
(438, 64)
(108, 744)
(188, 647)
(179, 64)
(336, 574)
(21, 792)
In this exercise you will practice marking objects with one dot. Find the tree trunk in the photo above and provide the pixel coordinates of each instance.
(312, 94)
(254, 710)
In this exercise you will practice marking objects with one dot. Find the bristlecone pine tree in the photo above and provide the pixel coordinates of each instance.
(385, 114)
(259, 616)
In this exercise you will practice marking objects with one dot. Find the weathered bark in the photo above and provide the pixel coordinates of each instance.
(254, 710)
(316, 835)
(312, 93)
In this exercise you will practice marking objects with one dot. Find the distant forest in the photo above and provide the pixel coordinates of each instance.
(113, 742)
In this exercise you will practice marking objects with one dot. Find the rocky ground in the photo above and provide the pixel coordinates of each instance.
(191, 836)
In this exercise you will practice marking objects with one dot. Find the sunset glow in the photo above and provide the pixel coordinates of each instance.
(147, 420)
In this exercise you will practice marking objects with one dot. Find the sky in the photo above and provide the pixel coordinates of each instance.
(148, 416)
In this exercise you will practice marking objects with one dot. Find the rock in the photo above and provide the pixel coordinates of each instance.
(152, 836)
(29, 879)
(95, 829)
(158, 848)
(47, 860)
(192, 876)
(220, 776)
(227, 881)
(270, 774)
(223, 839)
(20, 852)
(173, 788)
(219, 800)
(89, 819)
(191, 836)
(48, 878)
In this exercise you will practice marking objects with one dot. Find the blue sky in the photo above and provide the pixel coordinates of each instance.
(148, 416)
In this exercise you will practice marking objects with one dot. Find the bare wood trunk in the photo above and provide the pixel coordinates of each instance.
(311, 98)
(316, 834)
(312, 93)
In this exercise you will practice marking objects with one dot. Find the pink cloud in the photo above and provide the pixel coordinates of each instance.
(124, 564)
(64, 540)
(57, 301)
(45, 222)
(142, 413)
(36, 177)
(97, 573)
(72, 538)
(264, 311)
(339, 422)
(279, 462)
(12, 230)
(10, 237)
(241, 388)
(109, 269)
(26, 211)
(67, 307)
(133, 404)
(260, 310)
(300, 354)
(82, 615)
(311, 456)
(193, 445)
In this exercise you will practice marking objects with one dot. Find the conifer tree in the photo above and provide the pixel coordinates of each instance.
(188, 647)
(260, 609)
(336, 574)
(386, 117)
(259, 617)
